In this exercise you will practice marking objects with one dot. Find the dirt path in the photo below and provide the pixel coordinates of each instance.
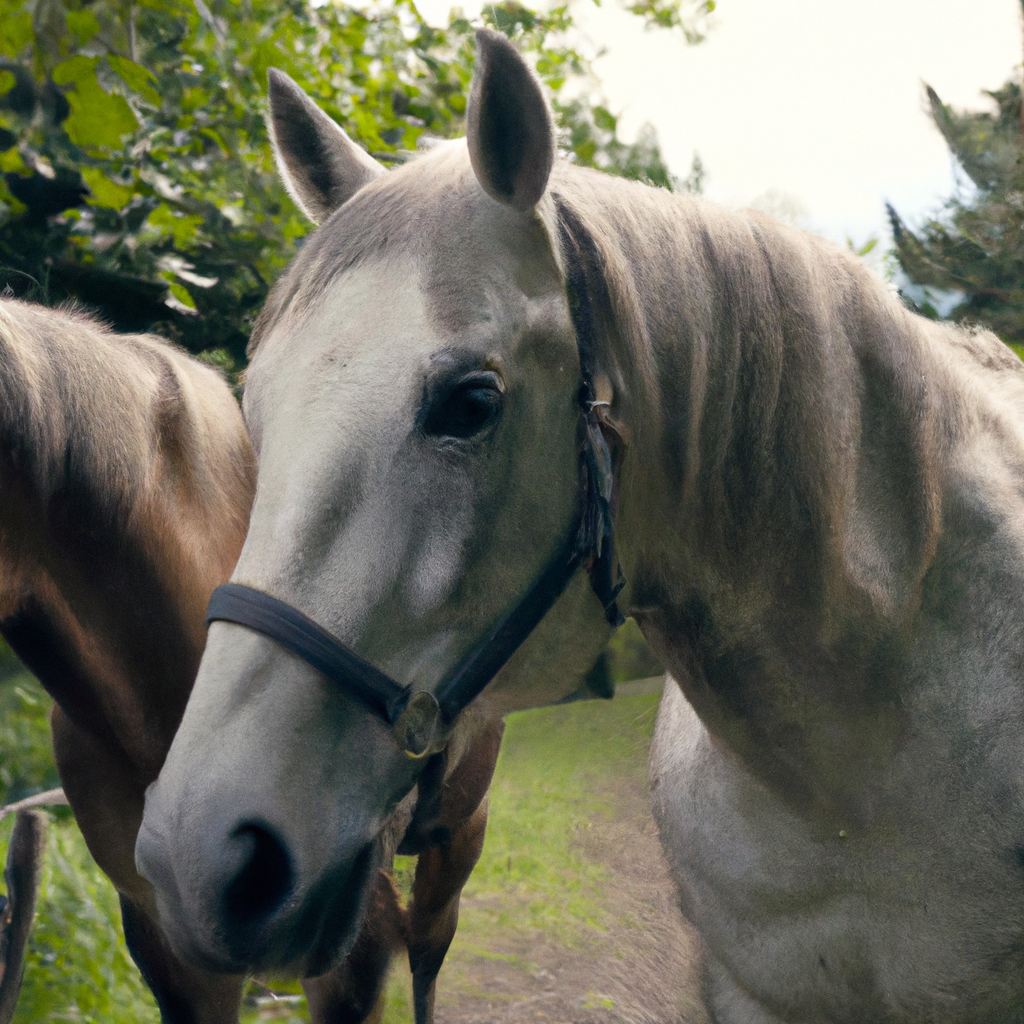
(640, 968)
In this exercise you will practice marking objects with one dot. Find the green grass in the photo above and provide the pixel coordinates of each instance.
(560, 771)
(26, 760)
(77, 967)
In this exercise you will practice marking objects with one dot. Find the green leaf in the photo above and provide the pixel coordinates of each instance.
(12, 163)
(74, 70)
(136, 77)
(97, 119)
(105, 192)
(7, 81)
(604, 119)
(82, 25)
(180, 292)
(15, 33)
(181, 227)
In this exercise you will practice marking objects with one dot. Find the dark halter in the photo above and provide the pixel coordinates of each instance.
(421, 719)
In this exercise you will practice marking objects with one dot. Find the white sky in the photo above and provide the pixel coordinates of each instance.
(817, 102)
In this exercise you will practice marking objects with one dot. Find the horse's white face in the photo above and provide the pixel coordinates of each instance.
(415, 421)
(409, 471)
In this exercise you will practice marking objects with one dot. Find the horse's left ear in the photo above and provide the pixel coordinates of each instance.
(508, 126)
(321, 167)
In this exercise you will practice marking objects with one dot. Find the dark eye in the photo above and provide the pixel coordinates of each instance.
(464, 408)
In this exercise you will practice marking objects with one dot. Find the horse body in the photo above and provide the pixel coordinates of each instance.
(125, 482)
(843, 819)
(819, 517)
(126, 479)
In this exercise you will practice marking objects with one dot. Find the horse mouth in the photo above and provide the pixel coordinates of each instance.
(254, 930)
(306, 938)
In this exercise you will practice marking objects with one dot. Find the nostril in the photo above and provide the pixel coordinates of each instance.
(264, 881)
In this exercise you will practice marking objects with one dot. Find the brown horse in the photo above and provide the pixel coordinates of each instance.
(126, 478)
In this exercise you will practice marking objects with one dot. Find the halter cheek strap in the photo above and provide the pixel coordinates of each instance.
(420, 719)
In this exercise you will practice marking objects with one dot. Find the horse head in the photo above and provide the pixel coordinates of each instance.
(414, 401)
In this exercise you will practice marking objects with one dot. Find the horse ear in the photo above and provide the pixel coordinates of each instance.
(508, 126)
(321, 167)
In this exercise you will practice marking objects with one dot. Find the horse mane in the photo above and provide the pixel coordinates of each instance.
(782, 398)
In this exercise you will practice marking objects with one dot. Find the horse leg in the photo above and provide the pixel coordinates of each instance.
(727, 1002)
(447, 835)
(107, 798)
(353, 992)
(441, 872)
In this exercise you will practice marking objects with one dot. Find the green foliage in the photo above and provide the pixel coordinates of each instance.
(672, 15)
(136, 172)
(77, 967)
(975, 245)
(26, 760)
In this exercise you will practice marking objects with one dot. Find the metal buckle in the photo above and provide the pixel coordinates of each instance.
(418, 730)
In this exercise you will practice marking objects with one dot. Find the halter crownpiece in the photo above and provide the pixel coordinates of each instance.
(420, 719)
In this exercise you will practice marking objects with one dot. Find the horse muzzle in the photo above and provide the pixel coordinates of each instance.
(234, 896)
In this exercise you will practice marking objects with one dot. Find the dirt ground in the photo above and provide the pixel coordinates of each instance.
(642, 969)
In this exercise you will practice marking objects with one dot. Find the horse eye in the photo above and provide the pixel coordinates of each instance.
(465, 409)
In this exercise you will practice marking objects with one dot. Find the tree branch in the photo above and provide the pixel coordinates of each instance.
(51, 798)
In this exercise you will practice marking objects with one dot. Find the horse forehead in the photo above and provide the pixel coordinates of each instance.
(372, 319)
(393, 315)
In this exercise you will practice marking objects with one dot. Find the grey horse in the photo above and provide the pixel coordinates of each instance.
(818, 501)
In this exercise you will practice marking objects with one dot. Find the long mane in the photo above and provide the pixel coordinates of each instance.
(769, 374)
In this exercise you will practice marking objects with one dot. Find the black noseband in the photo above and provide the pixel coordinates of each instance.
(421, 719)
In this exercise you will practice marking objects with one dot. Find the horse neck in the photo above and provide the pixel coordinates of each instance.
(107, 573)
(778, 505)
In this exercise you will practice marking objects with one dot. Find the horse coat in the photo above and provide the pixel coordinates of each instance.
(820, 519)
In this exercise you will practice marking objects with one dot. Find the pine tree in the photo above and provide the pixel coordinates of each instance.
(974, 246)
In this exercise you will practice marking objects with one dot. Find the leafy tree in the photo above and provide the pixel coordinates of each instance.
(136, 172)
(974, 246)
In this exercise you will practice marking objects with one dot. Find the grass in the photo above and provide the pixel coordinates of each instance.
(559, 773)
